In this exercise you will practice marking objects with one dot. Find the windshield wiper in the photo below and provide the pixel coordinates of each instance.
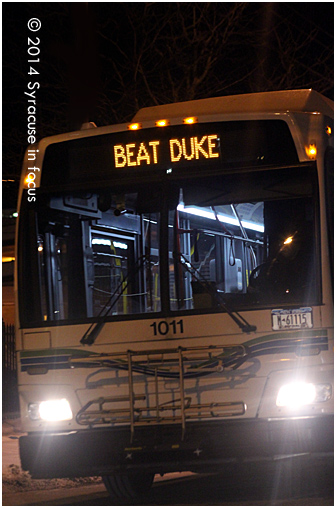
(234, 315)
(95, 328)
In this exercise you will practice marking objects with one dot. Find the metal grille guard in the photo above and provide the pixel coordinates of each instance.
(179, 364)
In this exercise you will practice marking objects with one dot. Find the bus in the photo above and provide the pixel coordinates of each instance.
(174, 291)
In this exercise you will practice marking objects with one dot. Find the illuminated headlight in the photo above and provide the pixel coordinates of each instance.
(50, 410)
(298, 394)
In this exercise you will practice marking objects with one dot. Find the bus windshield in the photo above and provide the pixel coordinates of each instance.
(249, 239)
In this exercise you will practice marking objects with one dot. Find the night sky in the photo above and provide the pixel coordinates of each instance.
(106, 62)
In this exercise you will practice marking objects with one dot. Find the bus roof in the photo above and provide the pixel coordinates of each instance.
(262, 102)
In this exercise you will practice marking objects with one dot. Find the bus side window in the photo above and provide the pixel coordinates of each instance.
(30, 295)
(329, 194)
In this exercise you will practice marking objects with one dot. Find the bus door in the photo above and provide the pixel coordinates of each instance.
(113, 259)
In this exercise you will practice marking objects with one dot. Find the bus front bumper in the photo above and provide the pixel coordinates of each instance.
(161, 448)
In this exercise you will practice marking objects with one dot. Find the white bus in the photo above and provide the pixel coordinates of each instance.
(174, 290)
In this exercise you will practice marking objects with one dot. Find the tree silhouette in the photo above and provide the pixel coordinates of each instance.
(104, 61)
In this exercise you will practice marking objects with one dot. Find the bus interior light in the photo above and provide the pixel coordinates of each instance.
(101, 241)
(120, 245)
(207, 214)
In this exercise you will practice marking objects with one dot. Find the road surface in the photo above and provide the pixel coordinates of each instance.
(247, 485)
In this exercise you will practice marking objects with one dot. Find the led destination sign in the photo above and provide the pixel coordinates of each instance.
(173, 150)
(180, 149)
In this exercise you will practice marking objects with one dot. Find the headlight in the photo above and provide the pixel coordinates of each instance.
(50, 410)
(298, 394)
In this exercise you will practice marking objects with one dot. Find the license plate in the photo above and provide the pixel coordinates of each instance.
(293, 318)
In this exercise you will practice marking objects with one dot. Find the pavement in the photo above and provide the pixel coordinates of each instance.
(35, 492)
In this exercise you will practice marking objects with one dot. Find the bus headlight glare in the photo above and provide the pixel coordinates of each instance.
(297, 394)
(51, 410)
